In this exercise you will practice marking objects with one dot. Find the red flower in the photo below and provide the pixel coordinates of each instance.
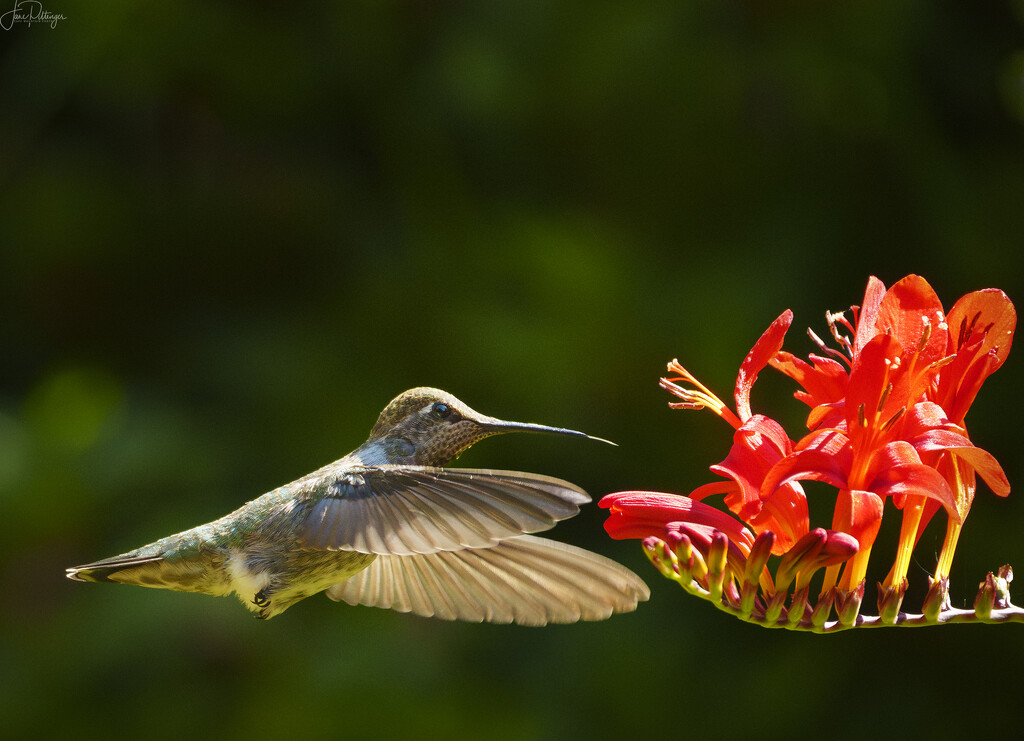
(688, 539)
(909, 312)
(638, 514)
(757, 446)
(903, 356)
(886, 421)
(758, 443)
(980, 332)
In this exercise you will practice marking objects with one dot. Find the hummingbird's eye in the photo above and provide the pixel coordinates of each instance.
(441, 410)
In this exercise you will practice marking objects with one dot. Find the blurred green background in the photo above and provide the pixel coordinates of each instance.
(231, 232)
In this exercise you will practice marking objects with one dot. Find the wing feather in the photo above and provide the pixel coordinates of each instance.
(525, 580)
(406, 510)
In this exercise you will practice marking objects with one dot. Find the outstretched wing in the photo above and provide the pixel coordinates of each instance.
(524, 580)
(406, 510)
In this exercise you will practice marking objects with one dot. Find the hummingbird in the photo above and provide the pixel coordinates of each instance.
(388, 526)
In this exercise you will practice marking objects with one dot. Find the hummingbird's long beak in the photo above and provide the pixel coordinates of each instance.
(500, 425)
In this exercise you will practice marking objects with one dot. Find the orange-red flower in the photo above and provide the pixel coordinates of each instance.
(905, 354)
(638, 514)
(886, 421)
(759, 442)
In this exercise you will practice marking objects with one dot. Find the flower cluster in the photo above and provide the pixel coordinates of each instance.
(886, 422)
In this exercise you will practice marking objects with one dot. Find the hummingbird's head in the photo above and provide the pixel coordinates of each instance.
(430, 427)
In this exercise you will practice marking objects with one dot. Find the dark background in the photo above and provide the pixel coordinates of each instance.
(230, 233)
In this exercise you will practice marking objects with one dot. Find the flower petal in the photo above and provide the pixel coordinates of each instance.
(858, 513)
(989, 311)
(823, 380)
(784, 513)
(896, 453)
(869, 392)
(986, 465)
(757, 445)
(960, 381)
(910, 310)
(868, 314)
(711, 489)
(929, 432)
(766, 347)
(981, 326)
(826, 457)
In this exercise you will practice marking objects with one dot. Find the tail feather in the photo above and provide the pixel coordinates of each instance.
(179, 574)
(110, 569)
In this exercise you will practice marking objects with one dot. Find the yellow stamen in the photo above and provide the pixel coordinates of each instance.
(700, 397)
(894, 418)
(884, 397)
(926, 334)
